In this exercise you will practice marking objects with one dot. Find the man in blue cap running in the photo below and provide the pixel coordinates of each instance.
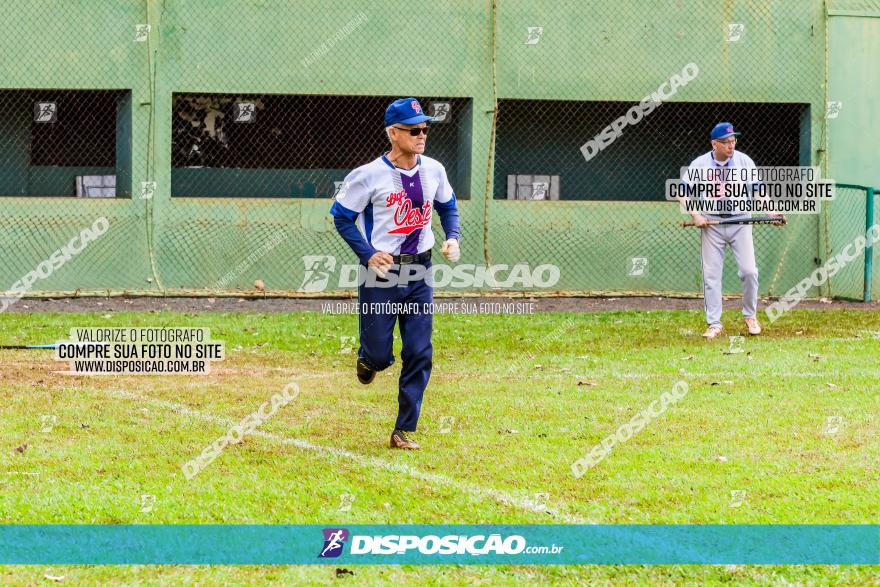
(384, 211)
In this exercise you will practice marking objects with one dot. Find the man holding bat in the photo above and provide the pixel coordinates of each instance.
(716, 235)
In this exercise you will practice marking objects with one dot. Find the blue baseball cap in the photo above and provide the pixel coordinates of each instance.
(723, 130)
(405, 111)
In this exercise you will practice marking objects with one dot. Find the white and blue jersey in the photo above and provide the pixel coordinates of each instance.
(383, 208)
(736, 161)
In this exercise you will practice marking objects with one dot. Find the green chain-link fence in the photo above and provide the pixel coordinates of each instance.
(212, 135)
(841, 232)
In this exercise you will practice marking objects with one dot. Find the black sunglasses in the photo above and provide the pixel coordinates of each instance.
(414, 132)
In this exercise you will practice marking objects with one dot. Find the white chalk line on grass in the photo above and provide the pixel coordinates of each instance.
(474, 491)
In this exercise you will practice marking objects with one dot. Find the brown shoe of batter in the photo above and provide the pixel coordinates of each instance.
(399, 439)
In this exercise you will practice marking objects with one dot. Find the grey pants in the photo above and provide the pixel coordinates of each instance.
(713, 241)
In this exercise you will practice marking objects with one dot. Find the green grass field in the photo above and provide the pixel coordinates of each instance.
(787, 431)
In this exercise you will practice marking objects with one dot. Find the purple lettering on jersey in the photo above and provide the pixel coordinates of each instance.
(411, 214)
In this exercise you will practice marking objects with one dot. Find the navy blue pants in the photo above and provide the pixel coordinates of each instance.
(377, 338)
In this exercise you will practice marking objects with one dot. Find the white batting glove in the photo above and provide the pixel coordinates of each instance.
(451, 250)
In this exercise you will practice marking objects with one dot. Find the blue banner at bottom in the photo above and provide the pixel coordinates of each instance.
(440, 544)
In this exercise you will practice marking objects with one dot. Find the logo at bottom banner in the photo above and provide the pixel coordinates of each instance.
(480, 544)
(334, 542)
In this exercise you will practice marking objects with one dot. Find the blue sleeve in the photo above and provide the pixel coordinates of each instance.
(343, 219)
(449, 218)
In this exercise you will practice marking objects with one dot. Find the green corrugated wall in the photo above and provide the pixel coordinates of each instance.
(605, 50)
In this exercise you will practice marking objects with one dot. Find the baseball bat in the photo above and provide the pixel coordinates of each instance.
(754, 220)
(27, 346)
(42, 346)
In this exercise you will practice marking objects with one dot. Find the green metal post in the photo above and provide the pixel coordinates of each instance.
(869, 249)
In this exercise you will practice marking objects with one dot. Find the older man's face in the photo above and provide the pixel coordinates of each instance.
(724, 148)
(402, 135)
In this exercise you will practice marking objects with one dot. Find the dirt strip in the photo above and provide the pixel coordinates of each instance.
(541, 304)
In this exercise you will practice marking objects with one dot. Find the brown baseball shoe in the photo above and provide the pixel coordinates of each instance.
(753, 325)
(364, 373)
(399, 439)
(712, 332)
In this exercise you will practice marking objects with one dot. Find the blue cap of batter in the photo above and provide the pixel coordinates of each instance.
(723, 130)
(405, 111)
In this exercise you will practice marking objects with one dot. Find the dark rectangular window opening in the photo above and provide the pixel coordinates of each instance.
(65, 143)
(283, 146)
(540, 140)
